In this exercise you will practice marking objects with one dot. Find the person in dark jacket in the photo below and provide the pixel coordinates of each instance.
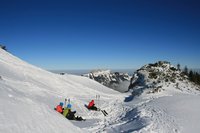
(70, 115)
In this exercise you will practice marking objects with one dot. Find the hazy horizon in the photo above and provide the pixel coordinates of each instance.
(85, 71)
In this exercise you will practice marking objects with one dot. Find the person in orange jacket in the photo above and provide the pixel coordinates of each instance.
(92, 106)
(59, 108)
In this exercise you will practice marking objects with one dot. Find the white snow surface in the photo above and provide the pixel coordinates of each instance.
(29, 94)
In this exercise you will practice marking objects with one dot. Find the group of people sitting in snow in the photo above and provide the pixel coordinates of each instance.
(69, 114)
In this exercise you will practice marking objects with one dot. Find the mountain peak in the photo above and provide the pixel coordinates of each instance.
(113, 80)
(159, 75)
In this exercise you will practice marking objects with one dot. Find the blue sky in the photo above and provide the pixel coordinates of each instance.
(91, 34)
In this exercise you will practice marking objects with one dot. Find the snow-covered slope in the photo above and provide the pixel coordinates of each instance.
(28, 95)
(162, 100)
(115, 80)
(155, 104)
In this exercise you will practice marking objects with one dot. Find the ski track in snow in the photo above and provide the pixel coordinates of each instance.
(161, 120)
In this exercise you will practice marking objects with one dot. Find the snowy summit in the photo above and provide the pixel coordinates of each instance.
(160, 99)
(155, 77)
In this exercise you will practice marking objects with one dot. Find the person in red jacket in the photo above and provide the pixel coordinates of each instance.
(92, 106)
(59, 108)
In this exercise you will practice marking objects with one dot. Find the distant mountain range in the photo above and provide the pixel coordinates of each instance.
(84, 71)
(116, 80)
(154, 76)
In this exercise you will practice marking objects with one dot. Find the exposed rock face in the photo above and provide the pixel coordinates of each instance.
(116, 80)
(157, 75)
(3, 47)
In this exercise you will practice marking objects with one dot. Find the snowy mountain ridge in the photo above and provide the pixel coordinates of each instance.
(155, 77)
(116, 80)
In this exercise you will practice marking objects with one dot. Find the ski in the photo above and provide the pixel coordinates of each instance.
(104, 112)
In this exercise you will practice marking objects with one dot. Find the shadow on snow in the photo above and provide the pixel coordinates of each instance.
(135, 92)
(131, 122)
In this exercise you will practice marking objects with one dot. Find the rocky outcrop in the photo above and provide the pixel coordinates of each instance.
(158, 75)
(115, 80)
